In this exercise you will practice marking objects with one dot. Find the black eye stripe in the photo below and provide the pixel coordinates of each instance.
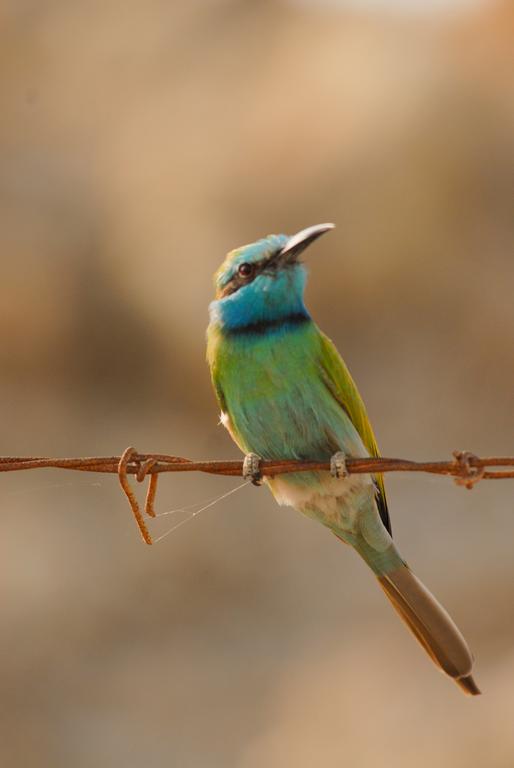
(264, 267)
(238, 280)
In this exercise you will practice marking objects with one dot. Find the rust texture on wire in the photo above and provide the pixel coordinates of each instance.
(465, 468)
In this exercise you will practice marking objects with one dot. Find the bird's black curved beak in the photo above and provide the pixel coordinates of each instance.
(299, 242)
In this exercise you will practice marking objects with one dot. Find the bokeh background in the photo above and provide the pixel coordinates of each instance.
(138, 143)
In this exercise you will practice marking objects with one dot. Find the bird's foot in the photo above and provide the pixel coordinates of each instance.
(252, 468)
(338, 465)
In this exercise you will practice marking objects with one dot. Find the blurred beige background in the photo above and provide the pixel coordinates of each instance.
(138, 143)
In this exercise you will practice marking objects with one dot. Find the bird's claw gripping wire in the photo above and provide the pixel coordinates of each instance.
(338, 466)
(252, 468)
(129, 456)
(469, 474)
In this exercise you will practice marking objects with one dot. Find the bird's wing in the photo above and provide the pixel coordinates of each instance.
(214, 358)
(216, 383)
(342, 387)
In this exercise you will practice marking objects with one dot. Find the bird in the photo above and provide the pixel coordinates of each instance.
(285, 393)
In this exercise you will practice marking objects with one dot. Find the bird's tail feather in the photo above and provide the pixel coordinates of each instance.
(431, 625)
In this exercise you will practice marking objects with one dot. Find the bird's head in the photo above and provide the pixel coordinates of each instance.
(263, 281)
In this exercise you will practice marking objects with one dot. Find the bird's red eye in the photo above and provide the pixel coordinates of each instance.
(245, 269)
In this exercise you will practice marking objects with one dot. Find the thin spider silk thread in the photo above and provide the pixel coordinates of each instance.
(195, 514)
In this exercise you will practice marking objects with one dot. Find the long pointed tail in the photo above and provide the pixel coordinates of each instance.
(431, 625)
(423, 614)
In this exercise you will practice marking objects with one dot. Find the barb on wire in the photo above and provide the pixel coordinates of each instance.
(465, 468)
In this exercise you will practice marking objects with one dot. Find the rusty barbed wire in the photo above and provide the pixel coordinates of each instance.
(465, 468)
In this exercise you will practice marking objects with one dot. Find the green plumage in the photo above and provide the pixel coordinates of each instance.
(285, 393)
(295, 380)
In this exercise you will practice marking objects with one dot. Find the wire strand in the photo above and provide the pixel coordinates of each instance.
(465, 468)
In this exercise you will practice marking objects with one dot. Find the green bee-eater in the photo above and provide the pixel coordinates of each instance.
(285, 393)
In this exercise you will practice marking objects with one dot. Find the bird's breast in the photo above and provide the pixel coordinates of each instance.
(279, 406)
(277, 402)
